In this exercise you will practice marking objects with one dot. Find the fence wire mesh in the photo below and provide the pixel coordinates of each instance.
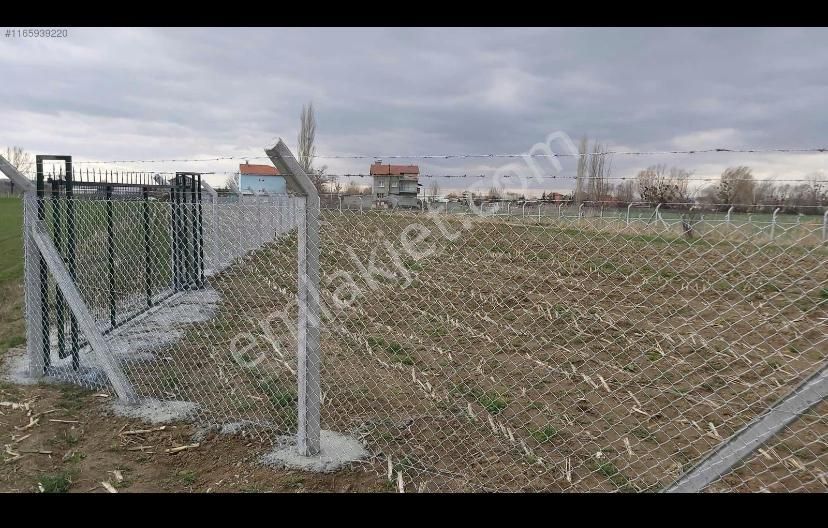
(167, 323)
(473, 349)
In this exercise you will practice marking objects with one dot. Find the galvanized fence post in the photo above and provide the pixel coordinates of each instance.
(45, 323)
(628, 213)
(825, 227)
(308, 352)
(33, 286)
(58, 230)
(70, 256)
(110, 255)
(147, 250)
(773, 223)
(32, 279)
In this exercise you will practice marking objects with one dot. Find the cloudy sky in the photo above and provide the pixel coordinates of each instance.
(114, 94)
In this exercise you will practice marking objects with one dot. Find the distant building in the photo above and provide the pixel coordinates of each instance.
(260, 180)
(396, 185)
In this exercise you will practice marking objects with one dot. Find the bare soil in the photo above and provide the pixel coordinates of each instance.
(515, 357)
(75, 444)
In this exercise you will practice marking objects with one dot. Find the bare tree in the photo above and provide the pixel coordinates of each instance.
(434, 189)
(599, 168)
(20, 160)
(231, 184)
(625, 192)
(657, 184)
(764, 194)
(735, 188)
(816, 189)
(580, 175)
(335, 185)
(353, 188)
(494, 193)
(307, 138)
(307, 147)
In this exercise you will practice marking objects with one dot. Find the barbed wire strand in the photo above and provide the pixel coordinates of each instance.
(688, 177)
(820, 150)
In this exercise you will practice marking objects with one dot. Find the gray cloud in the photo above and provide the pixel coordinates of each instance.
(172, 93)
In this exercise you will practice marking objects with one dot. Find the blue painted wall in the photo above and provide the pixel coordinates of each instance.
(262, 184)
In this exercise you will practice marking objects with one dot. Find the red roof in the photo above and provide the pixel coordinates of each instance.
(378, 169)
(258, 170)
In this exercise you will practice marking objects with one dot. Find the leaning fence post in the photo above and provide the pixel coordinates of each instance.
(58, 234)
(308, 350)
(773, 223)
(45, 324)
(33, 288)
(147, 258)
(110, 254)
(728, 214)
(628, 213)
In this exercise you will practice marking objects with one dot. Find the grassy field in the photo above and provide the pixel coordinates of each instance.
(12, 328)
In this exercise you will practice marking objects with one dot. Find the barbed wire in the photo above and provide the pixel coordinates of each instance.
(688, 177)
(570, 201)
(819, 150)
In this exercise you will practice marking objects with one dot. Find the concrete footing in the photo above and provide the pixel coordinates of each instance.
(155, 411)
(336, 451)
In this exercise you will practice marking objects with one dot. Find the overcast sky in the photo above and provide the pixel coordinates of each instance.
(191, 93)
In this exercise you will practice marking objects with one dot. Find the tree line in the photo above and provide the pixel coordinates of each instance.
(736, 187)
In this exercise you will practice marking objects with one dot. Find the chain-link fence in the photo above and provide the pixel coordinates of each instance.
(561, 354)
(168, 285)
(466, 349)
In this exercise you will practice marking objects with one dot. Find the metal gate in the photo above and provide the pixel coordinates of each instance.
(113, 210)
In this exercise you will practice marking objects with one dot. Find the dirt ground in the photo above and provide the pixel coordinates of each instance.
(61, 438)
(573, 357)
(517, 357)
